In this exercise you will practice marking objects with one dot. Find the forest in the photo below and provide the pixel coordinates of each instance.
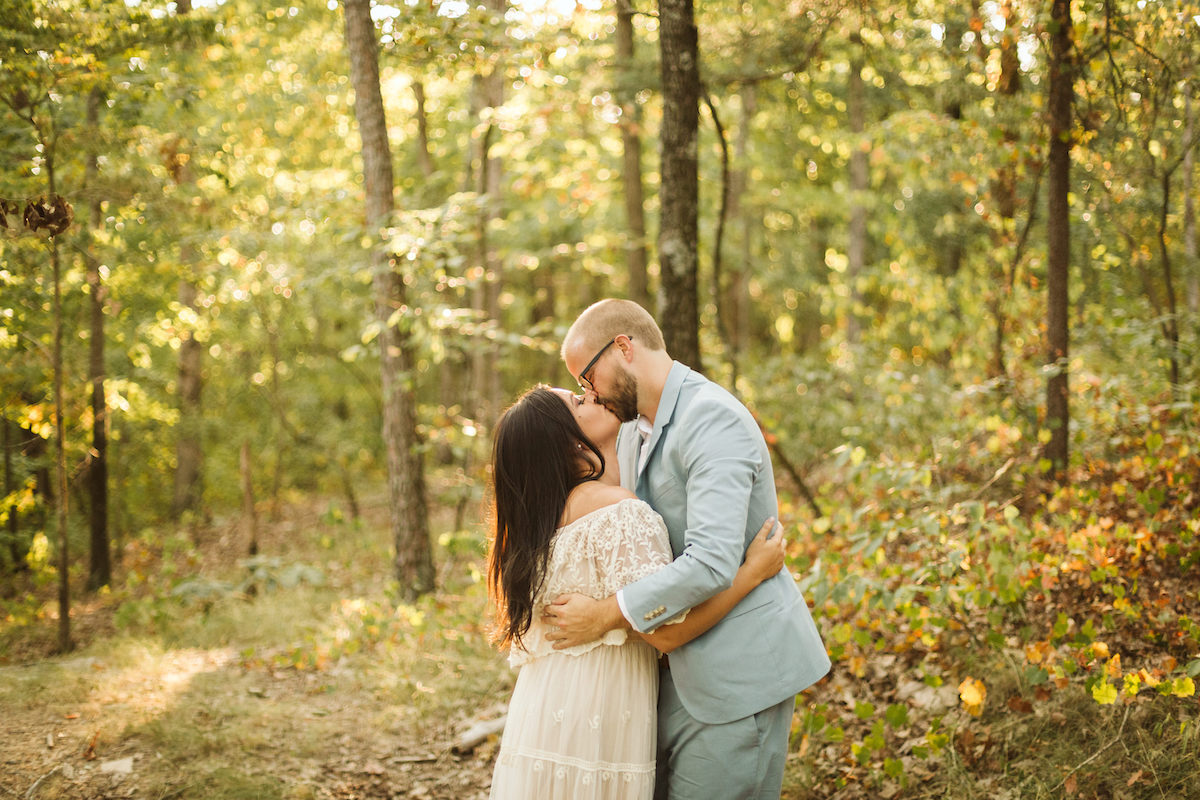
(270, 272)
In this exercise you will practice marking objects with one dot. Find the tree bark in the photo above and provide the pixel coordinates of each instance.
(678, 233)
(856, 244)
(406, 477)
(1192, 268)
(631, 161)
(1170, 323)
(13, 520)
(249, 512)
(1004, 187)
(60, 434)
(1061, 97)
(189, 450)
(100, 561)
(488, 93)
(424, 157)
(739, 292)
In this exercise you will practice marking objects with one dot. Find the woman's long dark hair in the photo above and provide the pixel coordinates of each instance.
(535, 465)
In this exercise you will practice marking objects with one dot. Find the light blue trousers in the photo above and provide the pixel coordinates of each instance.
(739, 760)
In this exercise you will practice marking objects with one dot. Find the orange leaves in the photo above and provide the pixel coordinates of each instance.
(973, 694)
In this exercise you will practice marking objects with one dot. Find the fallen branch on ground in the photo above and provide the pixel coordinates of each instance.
(473, 736)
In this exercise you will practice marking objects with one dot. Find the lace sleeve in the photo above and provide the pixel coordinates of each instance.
(595, 556)
(633, 546)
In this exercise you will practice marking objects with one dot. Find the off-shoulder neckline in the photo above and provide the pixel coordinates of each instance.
(595, 511)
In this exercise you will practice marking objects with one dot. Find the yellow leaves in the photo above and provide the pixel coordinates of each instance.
(1104, 693)
(1099, 650)
(1182, 687)
(973, 694)
(1039, 653)
(1147, 678)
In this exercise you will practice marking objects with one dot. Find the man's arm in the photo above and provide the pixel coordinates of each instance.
(576, 619)
(718, 456)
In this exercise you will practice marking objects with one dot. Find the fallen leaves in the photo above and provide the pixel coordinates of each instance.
(973, 694)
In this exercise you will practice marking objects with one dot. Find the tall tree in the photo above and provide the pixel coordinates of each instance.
(1058, 232)
(489, 96)
(100, 562)
(189, 447)
(631, 161)
(1192, 264)
(680, 192)
(406, 477)
(856, 244)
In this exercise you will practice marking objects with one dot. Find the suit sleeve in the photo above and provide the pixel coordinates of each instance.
(717, 458)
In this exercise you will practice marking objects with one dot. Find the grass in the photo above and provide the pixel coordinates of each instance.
(316, 688)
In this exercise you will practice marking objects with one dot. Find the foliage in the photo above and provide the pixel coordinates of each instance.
(1011, 606)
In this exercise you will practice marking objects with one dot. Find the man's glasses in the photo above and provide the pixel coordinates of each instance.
(584, 381)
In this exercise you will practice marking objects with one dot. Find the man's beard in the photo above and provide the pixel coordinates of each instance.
(623, 401)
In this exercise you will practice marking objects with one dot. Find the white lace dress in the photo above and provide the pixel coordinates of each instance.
(582, 721)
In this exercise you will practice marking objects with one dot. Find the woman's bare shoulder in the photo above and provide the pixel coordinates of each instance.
(591, 497)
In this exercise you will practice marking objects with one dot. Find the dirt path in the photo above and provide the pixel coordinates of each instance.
(111, 744)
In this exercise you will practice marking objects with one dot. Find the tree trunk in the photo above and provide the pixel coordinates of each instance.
(406, 477)
(189, 449)
(856, 244)
(424, 157)
(1171, 320)
(1192, 268)
(10, 485)
(249, 513)
(487, 93)
(100, 562)
(739, 291)
(1061, 96)
(1004, 188)
(679, 195)
(631, 164)
(60, 429)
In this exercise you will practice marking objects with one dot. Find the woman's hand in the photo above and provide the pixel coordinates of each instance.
(764, 557)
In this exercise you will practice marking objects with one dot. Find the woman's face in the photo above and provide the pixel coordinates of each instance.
(597, 422)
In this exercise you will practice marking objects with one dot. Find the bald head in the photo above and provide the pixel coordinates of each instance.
(602, 321)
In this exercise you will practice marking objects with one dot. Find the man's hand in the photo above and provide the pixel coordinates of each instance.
(575, 619)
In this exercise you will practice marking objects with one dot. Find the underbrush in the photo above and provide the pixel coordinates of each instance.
(993, 632)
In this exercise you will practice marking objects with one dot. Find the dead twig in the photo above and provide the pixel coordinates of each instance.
(36, 784)
(1096, 754)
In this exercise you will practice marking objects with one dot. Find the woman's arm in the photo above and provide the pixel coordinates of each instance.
(764, 558)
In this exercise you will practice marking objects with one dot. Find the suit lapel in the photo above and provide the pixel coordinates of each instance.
(663, 416)
(628, 440)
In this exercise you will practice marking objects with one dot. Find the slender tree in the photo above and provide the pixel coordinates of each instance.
(1061, 96)
(189, 447)
(100, 562)
(678, 232)
(631, 156)
(406, 477)
(856, 243)
(1192, 264)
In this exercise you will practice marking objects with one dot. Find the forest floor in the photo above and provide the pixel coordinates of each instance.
(310, 688)
(297, 675)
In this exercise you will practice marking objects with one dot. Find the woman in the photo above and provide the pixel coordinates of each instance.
(581, 722)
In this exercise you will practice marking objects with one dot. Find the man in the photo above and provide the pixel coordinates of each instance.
(696, 455)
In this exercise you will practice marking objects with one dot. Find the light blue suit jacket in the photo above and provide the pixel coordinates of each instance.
(709, 475)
